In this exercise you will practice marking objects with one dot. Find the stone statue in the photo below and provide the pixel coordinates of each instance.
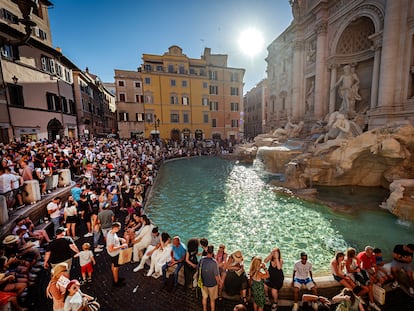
(348, 90)
(337, 127)
(293, 130)
(310, 98)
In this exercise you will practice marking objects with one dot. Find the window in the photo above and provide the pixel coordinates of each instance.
(149, 117)
(122, 97)
(121, 83)
(234, 77)
(48, 64)
(9, 16)
(137, 84)
(234, 106)
(212, 75)
(213, 122)
(213, 89)
(160, 68)
(181, 69)
(202, 72)
(184, 83)
(139, 117)
(147, 80)
(172, 82)
(234, 91)
(72, 106)
(147, 67)
(171, 68)
(205, 85)
(57, 103)
(174, 100)
(205, 117)
(204, 101)
(64, 104)
(148, 99)
(36, 31)
(234, 123)
(175, 117)
(186, 117)
(139, 98)
(185, 100)
(10, 51)
(16, 95)
(192, 71)
(123, 116)
(50, 99)
(213, 106)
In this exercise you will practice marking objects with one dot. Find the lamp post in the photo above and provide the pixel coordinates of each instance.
(156, 126)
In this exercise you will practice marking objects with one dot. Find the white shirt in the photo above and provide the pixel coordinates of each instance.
(51, 206)
(6, 183)
(302, 270)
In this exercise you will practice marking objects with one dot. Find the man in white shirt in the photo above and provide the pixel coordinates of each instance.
(53, 209)
(6, 187)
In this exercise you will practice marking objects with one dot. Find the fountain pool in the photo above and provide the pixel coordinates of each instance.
(231, 203)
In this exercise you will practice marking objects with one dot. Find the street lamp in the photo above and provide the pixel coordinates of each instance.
(156, 126)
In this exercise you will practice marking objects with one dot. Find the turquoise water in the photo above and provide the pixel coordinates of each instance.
(231, 203)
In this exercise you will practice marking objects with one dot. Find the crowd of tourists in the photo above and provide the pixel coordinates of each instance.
(107, 206)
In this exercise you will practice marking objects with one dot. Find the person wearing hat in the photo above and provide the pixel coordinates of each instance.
(57, 286)
(210, 275)
(60, 250)
(236, 279)
(302, 276)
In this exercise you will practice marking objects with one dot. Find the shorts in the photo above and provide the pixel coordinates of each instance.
(115, 260)
(9, 196)
(211, 292)
(88, 268)
(71, 219)
(307, 282)
(396, 265)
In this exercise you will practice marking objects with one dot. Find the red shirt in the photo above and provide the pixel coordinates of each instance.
(366, 262)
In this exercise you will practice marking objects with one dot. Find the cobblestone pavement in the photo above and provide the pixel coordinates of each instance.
(149, 294)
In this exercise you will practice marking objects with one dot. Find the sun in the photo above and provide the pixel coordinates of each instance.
(251, 41)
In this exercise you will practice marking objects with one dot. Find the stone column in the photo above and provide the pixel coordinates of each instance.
(320, 71)
(376, 46)
(297, 90)
(332, 89)
(390, 52)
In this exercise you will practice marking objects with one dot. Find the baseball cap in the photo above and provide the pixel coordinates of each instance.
(60, 230)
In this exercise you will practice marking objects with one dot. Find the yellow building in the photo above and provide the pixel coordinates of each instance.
(183, 98)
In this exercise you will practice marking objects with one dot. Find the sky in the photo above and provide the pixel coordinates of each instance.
(106, 35)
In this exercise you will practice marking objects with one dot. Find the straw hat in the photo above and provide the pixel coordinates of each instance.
(59, 268)
(237, 255)
(10, 239)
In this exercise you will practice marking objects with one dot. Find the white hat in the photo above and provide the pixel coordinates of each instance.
(10, 239)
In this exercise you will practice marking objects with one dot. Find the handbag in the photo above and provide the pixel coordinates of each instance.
(125, 255)
(92, 305)
(200, 278)
(379, 294)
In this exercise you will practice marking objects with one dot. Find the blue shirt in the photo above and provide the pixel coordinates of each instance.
(179, 251)
(76, 193)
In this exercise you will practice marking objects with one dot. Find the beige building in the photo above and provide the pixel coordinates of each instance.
(255, 110)
(36, 79)
(355, 57)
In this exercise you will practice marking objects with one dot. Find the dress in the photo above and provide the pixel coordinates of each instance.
(234, 282)
(258, 292)
(276, 277)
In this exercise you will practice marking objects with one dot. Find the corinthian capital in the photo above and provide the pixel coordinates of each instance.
(321, 27)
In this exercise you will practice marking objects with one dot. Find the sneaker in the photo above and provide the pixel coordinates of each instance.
(75, 238)
(82, 282)
(137, 268)
(395, 285)
(274, 307)
(372, 305)
(314, 305)
(87, 235)
(101, 246)
(411, 291)
(89, 280)
(98, 250)
(295, 307)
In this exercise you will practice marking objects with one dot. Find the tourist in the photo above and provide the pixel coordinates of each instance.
(402, 259)
(142, 240)
(221, 258)
(53, 209)
(191, 262)
(178, 252)
(38, 175)
(337, 269)
(382, 274)
(114, 244)
(38, 234)
(353, 267)
(302, 276)
(85, 212)
(211, 278)
(74, 298)
(349, 299)
(60, 250)
(203, 244)
(258, 273)
(368, 262)
(86, 261)
(160, 256)
(76, 191)
(153, 245)
(6, 188)
(236, 280)
(70, 217)
(276, 276)
(56, 288)
(105, 219)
